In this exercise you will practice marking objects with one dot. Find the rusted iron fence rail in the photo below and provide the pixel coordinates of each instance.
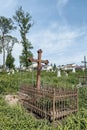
(51, 103)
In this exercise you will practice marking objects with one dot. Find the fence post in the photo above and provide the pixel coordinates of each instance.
(54, 105)
(77, 98)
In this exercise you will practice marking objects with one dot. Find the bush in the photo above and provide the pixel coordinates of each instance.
(8, 85)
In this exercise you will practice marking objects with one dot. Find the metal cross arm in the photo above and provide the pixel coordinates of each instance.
(31, 59)
(45, 62)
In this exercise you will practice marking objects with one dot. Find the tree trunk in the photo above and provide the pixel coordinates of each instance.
(3, 47)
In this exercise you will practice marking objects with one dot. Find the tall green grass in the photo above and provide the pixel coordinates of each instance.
(16, 117)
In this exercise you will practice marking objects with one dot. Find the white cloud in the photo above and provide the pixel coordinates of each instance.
(53, 41)
(17, 49)
(60, 5)
(61, 44)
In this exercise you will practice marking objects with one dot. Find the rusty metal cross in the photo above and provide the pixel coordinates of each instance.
(39, 66)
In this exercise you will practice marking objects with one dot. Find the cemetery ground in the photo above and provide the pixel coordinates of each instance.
(16, 117)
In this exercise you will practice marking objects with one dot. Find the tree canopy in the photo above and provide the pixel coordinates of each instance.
(24, 23)
(6, 25)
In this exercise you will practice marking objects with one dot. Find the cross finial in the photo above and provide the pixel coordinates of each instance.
(39, 51)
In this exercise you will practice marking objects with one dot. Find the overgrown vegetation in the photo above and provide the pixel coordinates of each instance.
(17, 118)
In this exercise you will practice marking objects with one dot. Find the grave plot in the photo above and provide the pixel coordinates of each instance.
(48, 102)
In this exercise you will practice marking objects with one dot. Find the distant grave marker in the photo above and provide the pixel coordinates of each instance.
(73, 70)
(83, 79)
(85, 62)
(58, 73)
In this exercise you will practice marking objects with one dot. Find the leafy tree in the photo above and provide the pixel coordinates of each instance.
(24, 22)
(54, 67)
(10, 60)
(6, 25)
(0, 46)
(9, 42)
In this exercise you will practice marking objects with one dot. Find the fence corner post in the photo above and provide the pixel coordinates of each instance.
(54, 112)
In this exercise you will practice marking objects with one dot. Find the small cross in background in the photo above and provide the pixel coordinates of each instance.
(85, 62)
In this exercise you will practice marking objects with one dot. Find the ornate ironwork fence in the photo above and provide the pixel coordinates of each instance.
(51, 103)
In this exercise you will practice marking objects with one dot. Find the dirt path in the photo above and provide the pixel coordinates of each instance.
(11, 99)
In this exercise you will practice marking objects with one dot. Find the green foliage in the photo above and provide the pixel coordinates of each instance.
(8, 84)
(17, 118)
(9, 42)
(6, 25)
(10, 61)
(76, 122)
(51, 78)
(24, 22)
(83, 97)
(45, 103)
(54, 67)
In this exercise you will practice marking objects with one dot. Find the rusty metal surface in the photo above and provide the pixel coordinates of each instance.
(39, 66)
(49, 103)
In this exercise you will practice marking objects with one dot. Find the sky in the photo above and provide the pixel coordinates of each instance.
(59, 29)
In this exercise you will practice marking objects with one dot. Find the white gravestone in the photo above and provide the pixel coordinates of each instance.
(8, 73)
(58, 73)
(73, 70)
